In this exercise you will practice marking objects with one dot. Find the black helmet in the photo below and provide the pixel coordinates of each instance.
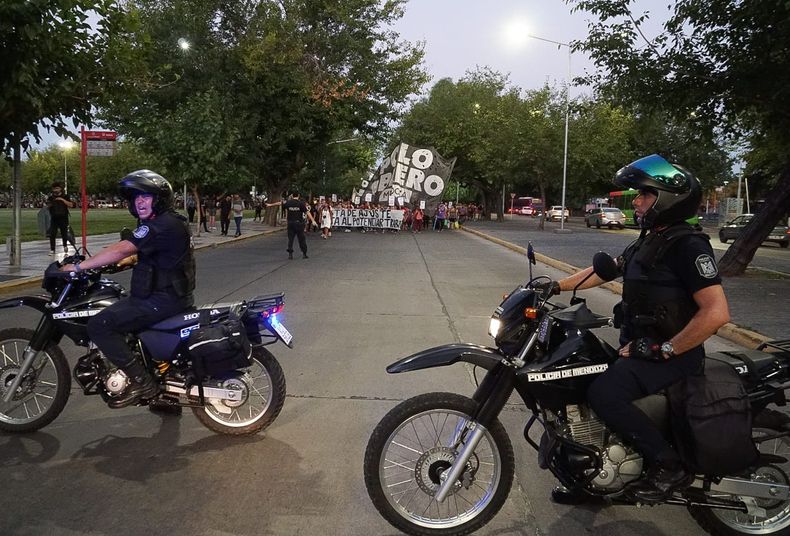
(144, 181)
(679, 192)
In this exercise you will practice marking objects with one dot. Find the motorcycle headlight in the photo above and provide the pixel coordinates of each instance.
(494, 326)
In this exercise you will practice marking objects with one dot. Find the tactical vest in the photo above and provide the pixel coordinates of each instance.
(655, 303)
(148, 277)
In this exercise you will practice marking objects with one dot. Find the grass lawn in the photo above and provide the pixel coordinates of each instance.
(99, 221)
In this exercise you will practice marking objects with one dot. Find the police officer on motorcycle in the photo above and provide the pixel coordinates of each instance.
(672, 302)
(163, 278)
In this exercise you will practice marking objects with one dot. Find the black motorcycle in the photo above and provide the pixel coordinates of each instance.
(237, 393)
(443, 464)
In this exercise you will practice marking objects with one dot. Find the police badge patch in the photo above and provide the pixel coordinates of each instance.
(141, 231)
(706, 266)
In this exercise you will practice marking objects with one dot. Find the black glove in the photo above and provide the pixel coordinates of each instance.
(549, 288)
(646, 349)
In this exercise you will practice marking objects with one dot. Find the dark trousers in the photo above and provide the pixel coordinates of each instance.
(237, 219)
(612, 393)
(58, 224)
(108, 329)
(296, 229)
(191, 214)
(224, 223)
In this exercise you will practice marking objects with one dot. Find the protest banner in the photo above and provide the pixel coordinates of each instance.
(415, 174)
(360, 217)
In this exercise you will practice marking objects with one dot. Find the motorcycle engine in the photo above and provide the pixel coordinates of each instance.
(116, 382)
(620, 463)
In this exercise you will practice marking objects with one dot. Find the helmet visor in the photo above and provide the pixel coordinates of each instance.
(660, 170)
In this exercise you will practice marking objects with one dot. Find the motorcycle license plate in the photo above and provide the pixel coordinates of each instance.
(282, 332)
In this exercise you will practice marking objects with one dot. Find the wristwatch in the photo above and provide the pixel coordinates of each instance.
(668, 350)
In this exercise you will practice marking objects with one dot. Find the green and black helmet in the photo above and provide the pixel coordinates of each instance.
(678, 191)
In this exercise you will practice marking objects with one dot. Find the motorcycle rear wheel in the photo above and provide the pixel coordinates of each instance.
(409, 450)
(734, 523)
(41, 397)
(264, 398)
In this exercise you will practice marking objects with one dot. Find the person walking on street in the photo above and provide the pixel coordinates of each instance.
(326, 220)
(673, 301)
(211, 209)
(441, 214)
(238, 213)
(418, 218)
(296, 210)
(258, 207)
(163, 279)
(191, 208)
(202, 215)
(59, 205)
(224, 214)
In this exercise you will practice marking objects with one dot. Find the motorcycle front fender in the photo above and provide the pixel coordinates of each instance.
(448, 354)
(36, 302)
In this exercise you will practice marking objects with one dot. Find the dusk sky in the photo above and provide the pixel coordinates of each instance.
(462, 34)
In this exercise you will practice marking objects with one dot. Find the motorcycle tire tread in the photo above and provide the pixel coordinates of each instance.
(392, 420)
(277, 376)
(63, 389)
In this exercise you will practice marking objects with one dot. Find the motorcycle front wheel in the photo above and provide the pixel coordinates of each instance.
(410, 449)
(44, 391)
(776, 521)
(263, 388)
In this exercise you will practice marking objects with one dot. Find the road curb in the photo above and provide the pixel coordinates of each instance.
(729, 331)
(34, 280)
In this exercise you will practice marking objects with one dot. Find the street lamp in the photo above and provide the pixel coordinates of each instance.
(65, 146)
(567, 112)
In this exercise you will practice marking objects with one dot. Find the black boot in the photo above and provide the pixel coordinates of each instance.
(304, 255)
(664, 478)
(142, 386)
(290, 255)
(563, 495)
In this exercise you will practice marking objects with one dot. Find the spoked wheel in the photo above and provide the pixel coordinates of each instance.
(407, 457)
(44, 391)
(776, 520)
(262, 388)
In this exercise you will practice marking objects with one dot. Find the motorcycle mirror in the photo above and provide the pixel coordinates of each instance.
(604, 266)
(126, 234)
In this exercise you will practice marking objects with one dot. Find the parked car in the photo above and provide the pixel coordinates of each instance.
(611, 217)
(103, 203)
(780, 234)
(554, 213)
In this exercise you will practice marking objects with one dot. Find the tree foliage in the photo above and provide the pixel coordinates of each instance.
(720, 67)
(263, 87)
(53, 64)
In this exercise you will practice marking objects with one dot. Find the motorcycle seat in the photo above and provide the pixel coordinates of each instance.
(747, 362)
(579, 316)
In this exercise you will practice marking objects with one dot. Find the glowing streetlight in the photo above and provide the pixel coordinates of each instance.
(66, 146)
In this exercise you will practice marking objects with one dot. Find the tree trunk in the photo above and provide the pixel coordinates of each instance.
(196, 196)
(741, 253)
(542, 222)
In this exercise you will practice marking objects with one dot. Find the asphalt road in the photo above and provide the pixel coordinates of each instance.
(358, 303)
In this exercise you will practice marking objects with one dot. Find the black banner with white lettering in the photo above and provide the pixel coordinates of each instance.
(407, 176)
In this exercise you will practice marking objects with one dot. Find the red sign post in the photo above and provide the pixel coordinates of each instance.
(94, 143)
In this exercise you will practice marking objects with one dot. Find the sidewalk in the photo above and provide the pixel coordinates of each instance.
(36, 257)
(757, 300)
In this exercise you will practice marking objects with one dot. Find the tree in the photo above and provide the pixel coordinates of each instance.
(279, 80)
(722, 67)
(53, 61)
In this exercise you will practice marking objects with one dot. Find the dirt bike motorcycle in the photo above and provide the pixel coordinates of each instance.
(443, 464)
(236, 387)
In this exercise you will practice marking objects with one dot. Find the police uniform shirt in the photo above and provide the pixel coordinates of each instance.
(295, 210)
(163, 241)
(693, 262)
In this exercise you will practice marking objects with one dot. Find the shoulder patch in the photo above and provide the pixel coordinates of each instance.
(706, 266)
(141, 231)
